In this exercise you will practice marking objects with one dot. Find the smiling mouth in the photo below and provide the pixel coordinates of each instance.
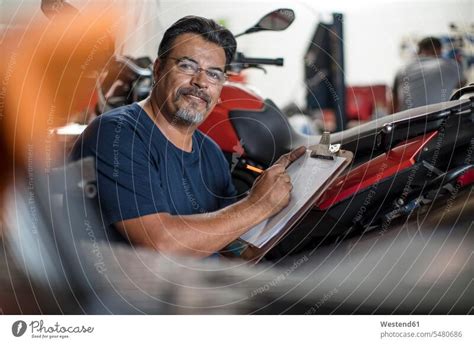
(196, 100)
(194, 95)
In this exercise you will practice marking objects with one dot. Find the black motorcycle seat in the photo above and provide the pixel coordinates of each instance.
(267, 134)
(363, 139)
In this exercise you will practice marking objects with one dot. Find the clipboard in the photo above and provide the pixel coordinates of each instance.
(253, 253)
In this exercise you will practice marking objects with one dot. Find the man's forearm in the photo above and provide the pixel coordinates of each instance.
(198, 234)
(204, 234)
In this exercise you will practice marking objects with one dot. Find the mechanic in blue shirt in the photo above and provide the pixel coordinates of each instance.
(161, 182)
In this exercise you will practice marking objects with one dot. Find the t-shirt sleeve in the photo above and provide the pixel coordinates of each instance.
(128, 187)
(229, 193)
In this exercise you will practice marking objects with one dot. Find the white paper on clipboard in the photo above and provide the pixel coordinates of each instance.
(307, 175)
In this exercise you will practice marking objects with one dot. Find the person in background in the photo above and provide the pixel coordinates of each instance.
(428, 79)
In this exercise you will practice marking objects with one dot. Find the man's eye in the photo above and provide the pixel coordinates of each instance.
(185, 65)
(214, 75)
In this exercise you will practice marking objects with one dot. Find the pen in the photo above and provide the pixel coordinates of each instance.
(253, 168)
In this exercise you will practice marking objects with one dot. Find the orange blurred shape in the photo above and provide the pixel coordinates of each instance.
(48, 72)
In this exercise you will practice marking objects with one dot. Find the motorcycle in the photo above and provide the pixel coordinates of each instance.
(401, 162)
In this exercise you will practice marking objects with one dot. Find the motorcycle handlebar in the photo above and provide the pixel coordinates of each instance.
(260, 61)
(242, 62)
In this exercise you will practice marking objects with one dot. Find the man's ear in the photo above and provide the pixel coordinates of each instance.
(157, 67)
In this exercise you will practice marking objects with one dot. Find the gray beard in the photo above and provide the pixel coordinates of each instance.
(189, 117)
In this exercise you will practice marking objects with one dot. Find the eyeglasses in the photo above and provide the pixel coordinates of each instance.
(190, 67)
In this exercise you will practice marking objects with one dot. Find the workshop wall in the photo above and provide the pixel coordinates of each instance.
(373, 32)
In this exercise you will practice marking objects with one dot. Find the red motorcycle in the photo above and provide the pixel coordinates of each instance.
(401, 162)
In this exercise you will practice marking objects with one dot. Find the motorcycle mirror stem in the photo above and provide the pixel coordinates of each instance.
(277, 20)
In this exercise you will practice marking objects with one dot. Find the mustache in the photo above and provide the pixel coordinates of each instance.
(193, 91)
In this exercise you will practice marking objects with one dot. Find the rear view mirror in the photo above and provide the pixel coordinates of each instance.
(277, 20)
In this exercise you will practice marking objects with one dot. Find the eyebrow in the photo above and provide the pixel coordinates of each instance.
(193, 60)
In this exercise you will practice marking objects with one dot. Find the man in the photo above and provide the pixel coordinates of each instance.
(161, 182)
(428, 80)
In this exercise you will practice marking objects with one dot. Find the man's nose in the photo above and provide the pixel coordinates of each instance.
(200, 79)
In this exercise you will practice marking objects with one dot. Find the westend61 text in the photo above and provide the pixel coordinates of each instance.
(400, 324)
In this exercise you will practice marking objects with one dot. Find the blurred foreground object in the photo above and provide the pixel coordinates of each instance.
(48, 71)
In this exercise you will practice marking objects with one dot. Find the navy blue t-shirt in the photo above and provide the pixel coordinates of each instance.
(140, 172)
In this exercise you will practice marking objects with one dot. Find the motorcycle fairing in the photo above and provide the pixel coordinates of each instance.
(218, 126)
(382, 167)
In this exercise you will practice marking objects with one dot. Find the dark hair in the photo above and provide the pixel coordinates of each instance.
(206, 28)
(429, 44)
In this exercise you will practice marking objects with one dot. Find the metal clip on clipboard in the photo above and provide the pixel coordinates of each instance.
(324, 149)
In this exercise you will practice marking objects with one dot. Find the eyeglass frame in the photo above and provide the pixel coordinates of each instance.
(200, 69)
